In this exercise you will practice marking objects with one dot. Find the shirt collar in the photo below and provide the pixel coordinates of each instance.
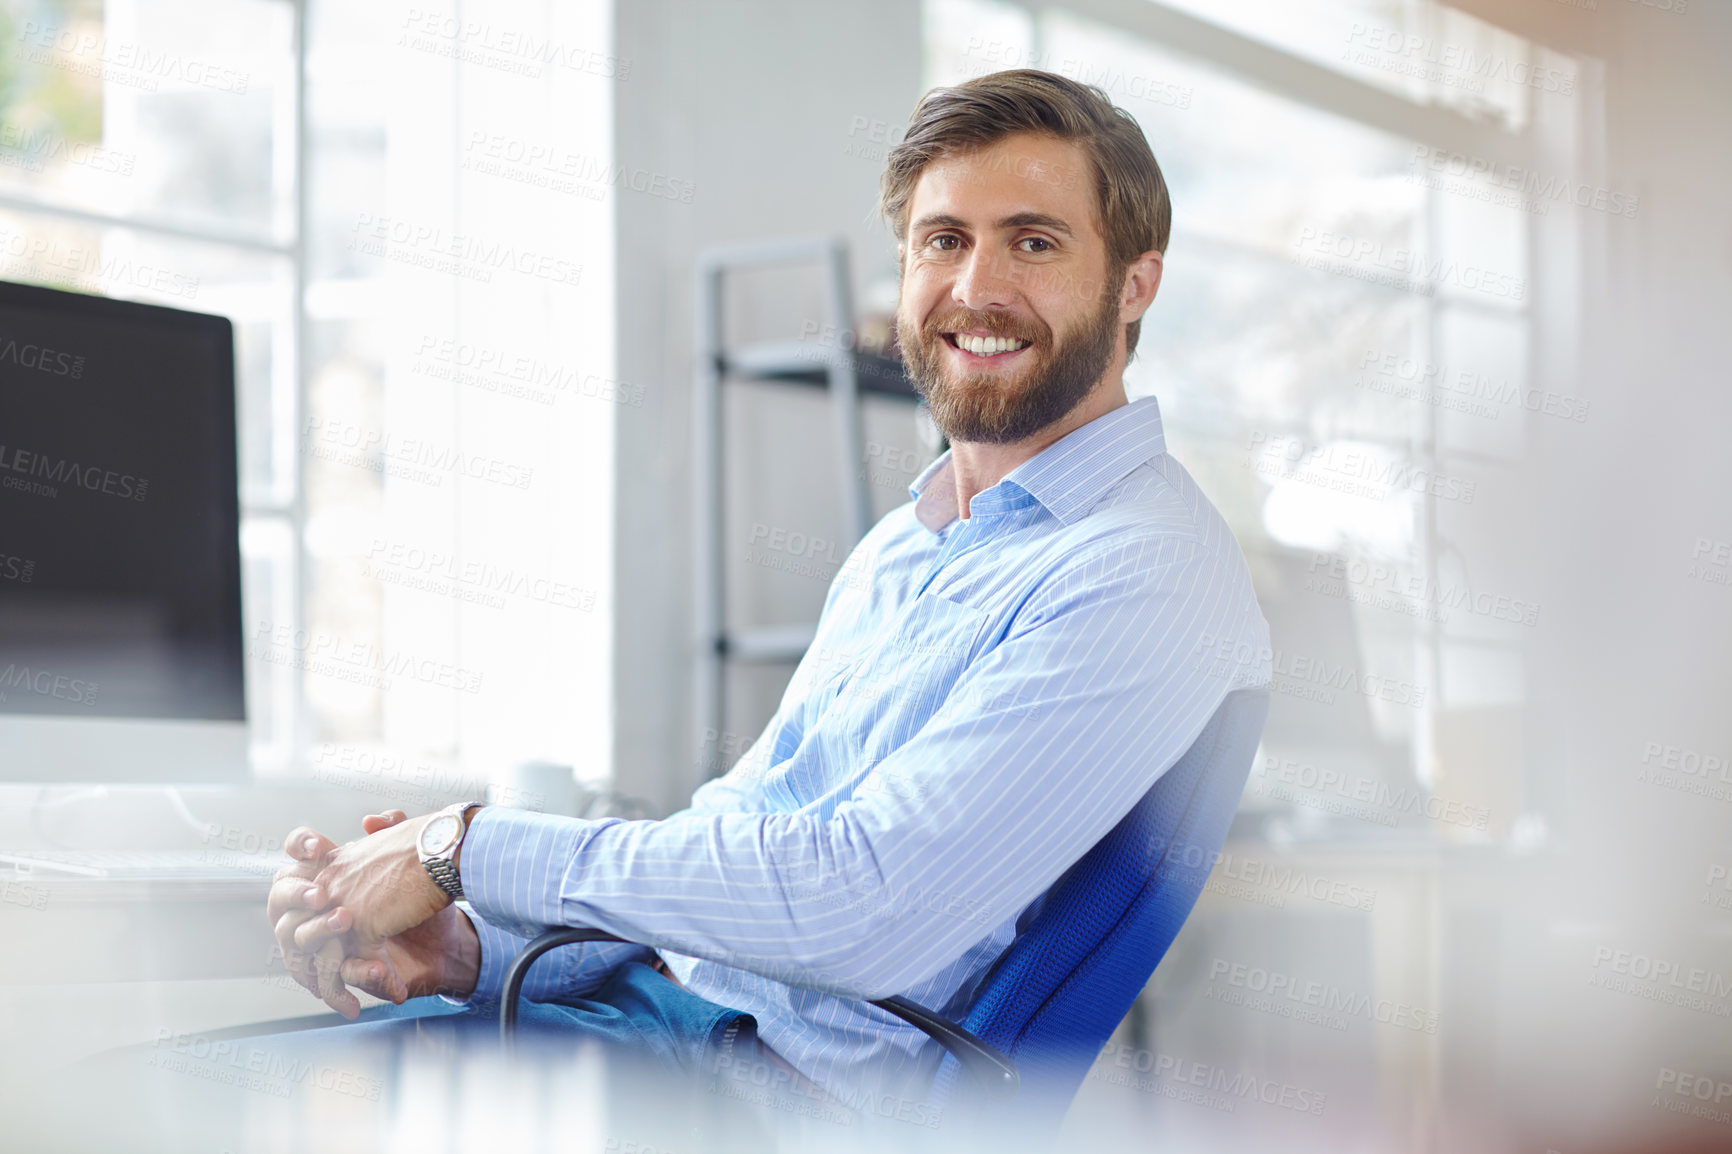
(1068, 477)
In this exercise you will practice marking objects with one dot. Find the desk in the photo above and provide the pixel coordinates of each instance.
(93, 964)
(101, 930)
(65, 930)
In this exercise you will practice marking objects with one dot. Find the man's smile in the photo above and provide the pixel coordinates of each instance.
(977, 348)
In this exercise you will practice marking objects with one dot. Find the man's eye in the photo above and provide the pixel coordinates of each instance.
(1045, 244)
(939, 241)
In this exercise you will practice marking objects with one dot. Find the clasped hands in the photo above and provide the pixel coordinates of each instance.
(367, 914)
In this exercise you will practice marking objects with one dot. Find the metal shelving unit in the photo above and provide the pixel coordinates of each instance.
(845, 373)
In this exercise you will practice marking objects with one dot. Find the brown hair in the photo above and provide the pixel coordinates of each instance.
(1130, 193)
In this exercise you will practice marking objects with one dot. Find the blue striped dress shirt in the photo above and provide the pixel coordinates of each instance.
(984, 698)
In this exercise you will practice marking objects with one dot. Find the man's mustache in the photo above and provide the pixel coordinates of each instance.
(996, 324)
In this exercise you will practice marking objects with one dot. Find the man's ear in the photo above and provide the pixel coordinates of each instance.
(1142, 280)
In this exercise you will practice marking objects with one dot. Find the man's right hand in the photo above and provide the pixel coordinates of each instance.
(442, 955)
(293, 899)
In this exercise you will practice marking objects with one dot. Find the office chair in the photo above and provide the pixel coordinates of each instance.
(1094, 938)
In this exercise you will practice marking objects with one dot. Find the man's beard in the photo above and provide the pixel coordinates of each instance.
(998, 407)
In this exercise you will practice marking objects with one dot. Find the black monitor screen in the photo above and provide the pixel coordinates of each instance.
(119, 535)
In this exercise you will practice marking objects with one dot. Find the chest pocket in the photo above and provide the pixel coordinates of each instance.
(898, 685)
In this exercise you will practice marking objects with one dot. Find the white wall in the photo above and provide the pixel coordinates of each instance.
(759, 105)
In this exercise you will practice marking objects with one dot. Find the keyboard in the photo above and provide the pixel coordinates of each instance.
(142, 865)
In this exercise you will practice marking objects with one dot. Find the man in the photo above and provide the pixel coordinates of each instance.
(1022, 666)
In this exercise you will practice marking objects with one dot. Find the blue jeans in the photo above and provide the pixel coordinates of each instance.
(659, 1066)
(637, 1015)
(641, 1021)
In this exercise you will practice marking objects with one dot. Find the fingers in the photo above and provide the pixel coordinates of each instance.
(374, 822)
(291, 892)
(289, 883)
(376, 976)
(319, 929)
(328, 963)
(300, 968)
(306, 844)
(294, 899)
(298, 962)
(298, 869)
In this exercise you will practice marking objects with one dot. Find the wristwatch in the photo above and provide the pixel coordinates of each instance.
(438, 844)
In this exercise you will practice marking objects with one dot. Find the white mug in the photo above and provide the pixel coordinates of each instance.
(543, 786)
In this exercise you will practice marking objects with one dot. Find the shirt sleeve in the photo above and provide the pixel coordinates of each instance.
(577, 970)
(570, 971)
(1044, 741)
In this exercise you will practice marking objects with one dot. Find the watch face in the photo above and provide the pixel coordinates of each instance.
(438, 834)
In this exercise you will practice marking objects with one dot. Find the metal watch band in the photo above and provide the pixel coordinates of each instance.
(445, 876)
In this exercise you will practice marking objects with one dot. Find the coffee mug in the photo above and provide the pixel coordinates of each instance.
(543, 786)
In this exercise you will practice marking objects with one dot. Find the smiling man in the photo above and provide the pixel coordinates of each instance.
(1023, 664)
(993, 373)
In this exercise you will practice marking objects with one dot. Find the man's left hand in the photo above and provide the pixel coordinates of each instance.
(374, 888)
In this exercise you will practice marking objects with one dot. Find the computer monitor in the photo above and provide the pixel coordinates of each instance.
(120, 599)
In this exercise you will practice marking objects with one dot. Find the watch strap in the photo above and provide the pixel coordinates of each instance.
(444, 875)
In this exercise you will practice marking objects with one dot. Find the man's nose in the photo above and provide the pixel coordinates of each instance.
(984, 281)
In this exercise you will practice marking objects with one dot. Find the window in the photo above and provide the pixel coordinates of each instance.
(424, 338)
(1341, 351)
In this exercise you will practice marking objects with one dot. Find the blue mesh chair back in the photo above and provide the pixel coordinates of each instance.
(1068, 979)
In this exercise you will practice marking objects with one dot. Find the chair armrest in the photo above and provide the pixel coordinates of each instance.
(526, 957)
(995, 1072)
(991, 1067)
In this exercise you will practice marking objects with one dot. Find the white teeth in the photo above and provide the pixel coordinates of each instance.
(988, 346)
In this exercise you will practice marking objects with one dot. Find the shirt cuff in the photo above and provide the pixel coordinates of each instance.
(498, 947)
(570, 971)
(513, 865)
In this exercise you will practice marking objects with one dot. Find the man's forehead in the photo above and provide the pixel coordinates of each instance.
(1019, 176)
